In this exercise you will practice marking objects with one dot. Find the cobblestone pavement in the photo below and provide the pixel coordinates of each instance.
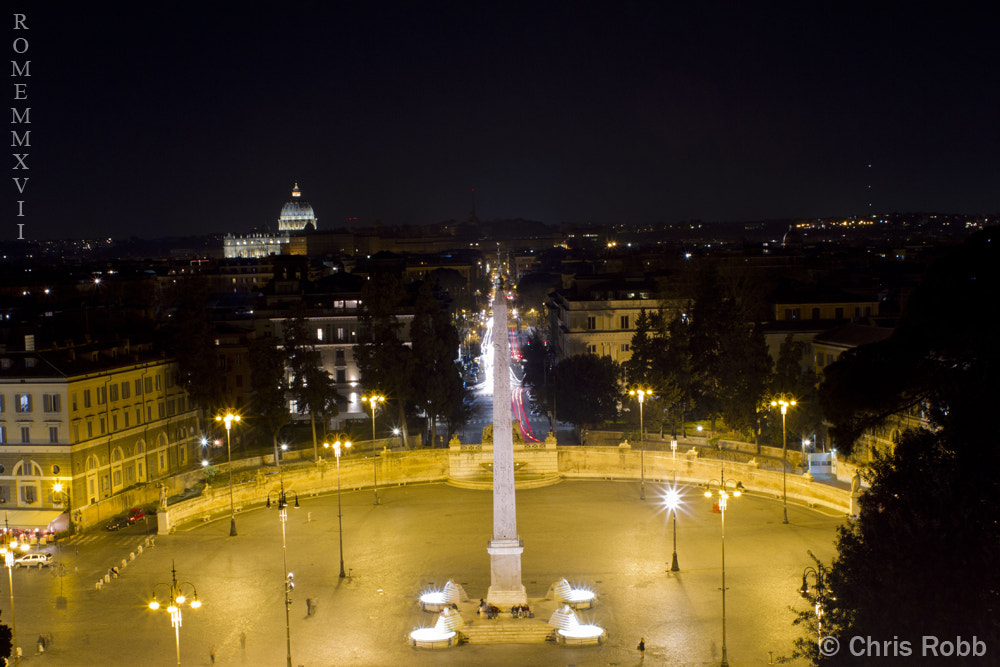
(597, 534)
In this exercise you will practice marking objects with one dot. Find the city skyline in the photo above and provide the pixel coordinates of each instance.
(153, 121)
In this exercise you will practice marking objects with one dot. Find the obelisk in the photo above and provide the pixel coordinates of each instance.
(505, 547)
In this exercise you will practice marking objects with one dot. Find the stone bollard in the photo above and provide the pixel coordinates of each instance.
(107, 578)
(124, 563)
(139, 548)
(99, 585)
(131, 556)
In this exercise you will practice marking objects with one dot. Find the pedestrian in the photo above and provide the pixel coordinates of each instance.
(41, 644)
(243, 640)
(309, 606)
(211, 654)
(642, 648)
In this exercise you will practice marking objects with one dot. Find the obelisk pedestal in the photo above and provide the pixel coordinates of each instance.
(505, 547)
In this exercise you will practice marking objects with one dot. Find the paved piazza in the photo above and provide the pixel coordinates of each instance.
(590, 532)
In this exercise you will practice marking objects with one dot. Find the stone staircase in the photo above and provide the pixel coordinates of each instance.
(508, 631)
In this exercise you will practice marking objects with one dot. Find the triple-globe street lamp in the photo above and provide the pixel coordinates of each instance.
(818, 606)
(641, 394)
(341, 443)
(722, 489)
(282, 502)
(175, 597)
(228, 419)
(784, 404)
(373, 402)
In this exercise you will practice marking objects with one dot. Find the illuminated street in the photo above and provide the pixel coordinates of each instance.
(592, 533)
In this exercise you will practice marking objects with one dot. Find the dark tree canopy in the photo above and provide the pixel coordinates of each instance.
(586, 389)
(921, 559)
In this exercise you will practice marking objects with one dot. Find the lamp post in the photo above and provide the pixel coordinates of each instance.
(175, 597)
(373, 402)
(340, 514)
(641, 394)
(673, 502)
(804, 592)
(10, 552)
(58, 488)
(784, 453)
(722, 493)
(229, 418)
(289, 577)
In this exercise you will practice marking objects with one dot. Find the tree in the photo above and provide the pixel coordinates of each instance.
(6, 641)
(587, 390)
(268, 387)
(745, 372)
(383, 359)
(437, 378)
(311, 386)
(792, 379)
(193, 340)
(926, 542)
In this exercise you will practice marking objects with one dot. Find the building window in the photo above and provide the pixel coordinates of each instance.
(114, 392)
(22, 402)
(149, 385)
(28, 494)
(86, 398)
(159, 382)
(25, 434)
(125, 415)
(163, 462)
(624, 321)
(592, 349)
(161, 410)
(102, 395)
(51, 402)
(54, 435)
(90, 429)
(341, 375)
(626, 347)
(114, 422)
(138, 387)
(103, 425)
(591, 323)
(340, 358)
(1, 402)
(3, 434)
(126, 390)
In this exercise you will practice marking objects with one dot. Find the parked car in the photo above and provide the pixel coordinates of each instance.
(135, 514)
(38, 560)
(117, 523)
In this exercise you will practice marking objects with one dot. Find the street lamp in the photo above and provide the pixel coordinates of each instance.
(641, 394)
(340, 514)
(722, 493)
(673, 502)
(58, 488)
(289, 583)
(373, 402)
(784, 453)
(804, 592)
(175, 597)
(229, 418)
(10, 552)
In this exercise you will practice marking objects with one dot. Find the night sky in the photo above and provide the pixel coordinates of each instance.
(156, 119)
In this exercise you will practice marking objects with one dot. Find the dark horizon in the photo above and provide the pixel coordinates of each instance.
(170, 121)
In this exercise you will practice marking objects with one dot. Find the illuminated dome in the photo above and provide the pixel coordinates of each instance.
(296, 214)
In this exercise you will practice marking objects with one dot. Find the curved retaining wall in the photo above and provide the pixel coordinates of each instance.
(439, 465)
